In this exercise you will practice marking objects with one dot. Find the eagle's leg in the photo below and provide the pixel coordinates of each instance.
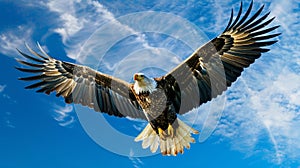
(170, 131)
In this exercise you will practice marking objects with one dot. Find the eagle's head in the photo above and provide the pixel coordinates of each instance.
(143, 84)
(139, 77)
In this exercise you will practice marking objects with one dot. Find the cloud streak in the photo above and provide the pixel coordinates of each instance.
(2, 87)
(76, 25)
(14, 38)
(6, 120)
(64, 115)
(136, 162)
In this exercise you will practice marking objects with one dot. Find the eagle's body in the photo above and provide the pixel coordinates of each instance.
(162, 116)
(158, 110)
(204, 75)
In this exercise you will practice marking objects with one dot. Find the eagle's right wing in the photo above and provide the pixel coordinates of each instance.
(81, 85)
(213, 67)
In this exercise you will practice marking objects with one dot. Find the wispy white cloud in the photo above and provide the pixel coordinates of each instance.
(78, 20)
(70, 24)
(139, 126)
(64, 115)
(6, 120)
(253, 117)
(2, 87)
(6, 97)
(14, 38)
(136, 162)
(219, 17)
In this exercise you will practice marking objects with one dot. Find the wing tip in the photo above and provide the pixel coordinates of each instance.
(43, 51)
(19, 69)
(239, 21)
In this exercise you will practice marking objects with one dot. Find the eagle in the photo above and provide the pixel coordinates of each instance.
(204, 75)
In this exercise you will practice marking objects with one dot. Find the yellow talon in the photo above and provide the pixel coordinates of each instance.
(170, 131)
(161, 133)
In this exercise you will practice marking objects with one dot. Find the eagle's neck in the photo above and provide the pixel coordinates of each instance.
(146, 85)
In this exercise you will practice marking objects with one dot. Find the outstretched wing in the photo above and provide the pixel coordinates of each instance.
(216, 65)
(81, 85)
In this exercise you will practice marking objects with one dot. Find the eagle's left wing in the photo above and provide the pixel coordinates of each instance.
(81, 85)
(216, 65)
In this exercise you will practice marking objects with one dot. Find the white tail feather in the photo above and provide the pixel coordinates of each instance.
(170, 145)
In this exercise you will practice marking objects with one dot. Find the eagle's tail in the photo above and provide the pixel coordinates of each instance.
(173, 140)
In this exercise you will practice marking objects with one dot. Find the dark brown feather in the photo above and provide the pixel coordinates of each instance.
(80, 84)
(218, 63)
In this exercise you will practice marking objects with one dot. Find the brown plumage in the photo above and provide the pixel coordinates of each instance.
(208, 72)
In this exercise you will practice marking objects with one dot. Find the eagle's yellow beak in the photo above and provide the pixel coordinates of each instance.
(138, 77)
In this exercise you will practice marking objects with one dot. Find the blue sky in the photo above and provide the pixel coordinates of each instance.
(260, 113)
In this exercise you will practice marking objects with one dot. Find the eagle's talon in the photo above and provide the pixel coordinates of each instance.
(170, 131)
(161, 133)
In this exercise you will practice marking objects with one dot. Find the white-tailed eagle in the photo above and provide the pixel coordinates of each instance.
(195, 81)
